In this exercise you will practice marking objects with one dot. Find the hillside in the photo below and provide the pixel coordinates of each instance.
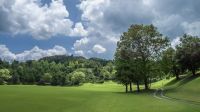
(187, 89)
(64, 59)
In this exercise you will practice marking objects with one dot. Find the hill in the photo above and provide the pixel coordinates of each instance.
(65, 58)
(187, 89)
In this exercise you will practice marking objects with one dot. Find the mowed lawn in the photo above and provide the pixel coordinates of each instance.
(186, 89)
(108, 97)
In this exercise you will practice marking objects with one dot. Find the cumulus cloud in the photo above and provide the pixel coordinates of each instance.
(40, 21)
(108, 19)
(79, 30)
(33, 54)
(102, 21)
(79, 44)
(93, 9)
(5, 54)
(98, 49)
(79, 53)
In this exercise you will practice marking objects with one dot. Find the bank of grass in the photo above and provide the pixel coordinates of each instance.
(107, 97)
(187, 88)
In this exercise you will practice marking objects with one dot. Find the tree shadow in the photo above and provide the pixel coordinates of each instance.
(182, 81)
(142, 91)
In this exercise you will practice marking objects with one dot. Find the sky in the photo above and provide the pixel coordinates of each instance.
(32, 29)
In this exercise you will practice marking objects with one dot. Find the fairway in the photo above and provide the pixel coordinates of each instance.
(107, 97)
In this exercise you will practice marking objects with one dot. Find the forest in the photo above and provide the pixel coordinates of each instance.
(57, 70)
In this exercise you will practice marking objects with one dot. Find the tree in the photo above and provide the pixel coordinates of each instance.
(143, 43)
(60, 68)
(46, 78)
(4, 75)
(169, 64)
(77, 78)
(15, 77)
(123, 71)
(89, 75)
(105, 73)
(188, 53)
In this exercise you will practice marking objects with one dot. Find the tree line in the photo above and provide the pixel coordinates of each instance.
(57, 70)
(144, 55)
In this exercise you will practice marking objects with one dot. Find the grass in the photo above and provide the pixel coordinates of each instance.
(186, 89)
(108, 97)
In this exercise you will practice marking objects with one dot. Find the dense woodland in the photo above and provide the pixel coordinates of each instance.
(57, 70)
(143, 56)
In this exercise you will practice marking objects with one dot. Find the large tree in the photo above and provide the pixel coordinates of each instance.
(188, 53)
(141, 43)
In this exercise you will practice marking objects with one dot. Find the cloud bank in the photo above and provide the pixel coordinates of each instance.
(102, 21)
(33, 54)
(38, 20)
(107, 19)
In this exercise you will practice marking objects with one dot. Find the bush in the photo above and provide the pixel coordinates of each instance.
(77, 78)
(4, 75)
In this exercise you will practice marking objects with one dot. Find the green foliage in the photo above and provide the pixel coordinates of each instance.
(4, 75)
(57, 70)
(46, 78)
(188, 53)
(77, 77)
(15, 79)
(141, 44)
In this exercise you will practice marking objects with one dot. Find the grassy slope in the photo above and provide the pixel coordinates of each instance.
(108, 97)
(186, 89)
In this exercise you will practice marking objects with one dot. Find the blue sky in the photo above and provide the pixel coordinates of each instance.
(32, 29)
(19, 43)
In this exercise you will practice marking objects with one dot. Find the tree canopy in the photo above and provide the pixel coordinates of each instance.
(138, 49)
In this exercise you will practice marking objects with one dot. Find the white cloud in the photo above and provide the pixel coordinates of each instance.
(79, 44)
(175, 42)
(40, 21)
(192, 28)
(108, 19)
(79, 53)
(105, 20)
(33, 54)
(92, 9)
(79, 30)
(5, 54)
(98, 49)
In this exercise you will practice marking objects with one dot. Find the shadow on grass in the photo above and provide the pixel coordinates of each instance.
(143, 91)
(182, 81)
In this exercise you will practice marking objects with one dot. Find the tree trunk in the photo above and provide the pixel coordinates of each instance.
(138, 87)
(126, 88)
(177, 76)
(176, 72)
(131, 90)
(193, 72)
(146, 84)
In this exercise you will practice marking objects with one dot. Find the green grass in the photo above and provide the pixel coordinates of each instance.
(108, 97)
(186, 89)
